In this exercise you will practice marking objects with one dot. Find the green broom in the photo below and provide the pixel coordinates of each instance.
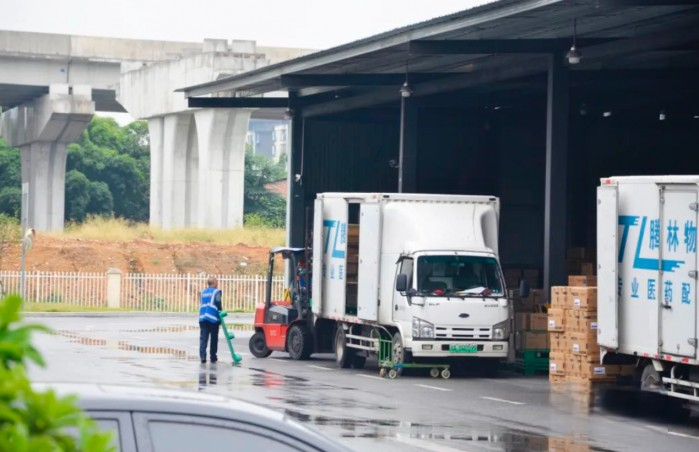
(229, 338)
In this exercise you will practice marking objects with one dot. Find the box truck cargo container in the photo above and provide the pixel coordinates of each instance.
(647, 279)
(421, 269)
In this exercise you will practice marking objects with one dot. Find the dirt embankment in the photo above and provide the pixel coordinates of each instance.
(137, 256)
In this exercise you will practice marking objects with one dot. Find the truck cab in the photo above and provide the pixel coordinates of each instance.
(452, 304)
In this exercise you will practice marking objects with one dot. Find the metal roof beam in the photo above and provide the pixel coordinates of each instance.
(238, 102)
(337, 80)
(517, 69)
(647, 2)
(494, 46)
(458, 21)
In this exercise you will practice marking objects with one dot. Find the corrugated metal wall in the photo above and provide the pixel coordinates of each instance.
(349, 156)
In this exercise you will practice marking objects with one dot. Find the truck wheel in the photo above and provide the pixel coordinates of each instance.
(650, 379)
(344, 355)
(258, 345)
(299, 342)
(399, 354)
(358, 361)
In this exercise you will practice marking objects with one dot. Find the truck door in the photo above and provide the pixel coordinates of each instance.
(369, 258)
(607, 262)
(678, 290)
(330, 256)
(318, 257)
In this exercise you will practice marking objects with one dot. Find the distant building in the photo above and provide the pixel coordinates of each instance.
(269, 137)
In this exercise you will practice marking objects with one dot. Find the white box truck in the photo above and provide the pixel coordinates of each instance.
(647, 279)
(423, 268)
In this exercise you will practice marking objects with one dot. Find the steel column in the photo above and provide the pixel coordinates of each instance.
(407, 154)
(555, 224)
(295, 223)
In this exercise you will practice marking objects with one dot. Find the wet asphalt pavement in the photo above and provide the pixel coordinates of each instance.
(412, 413)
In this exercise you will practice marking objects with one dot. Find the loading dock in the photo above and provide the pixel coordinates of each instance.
(486, 101)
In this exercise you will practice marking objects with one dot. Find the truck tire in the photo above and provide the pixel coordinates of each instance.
(258, 345)
(344, 355)
(299, 342)
(399, 354)
(650, 379)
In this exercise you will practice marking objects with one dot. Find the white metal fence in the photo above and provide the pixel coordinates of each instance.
(139, 292)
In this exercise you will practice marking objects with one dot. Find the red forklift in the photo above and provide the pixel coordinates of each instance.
(285, 325)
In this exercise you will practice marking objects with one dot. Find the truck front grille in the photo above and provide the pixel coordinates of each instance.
(450, 333)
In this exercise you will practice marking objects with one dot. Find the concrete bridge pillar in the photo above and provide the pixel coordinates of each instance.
(42, 130)
(197, 168)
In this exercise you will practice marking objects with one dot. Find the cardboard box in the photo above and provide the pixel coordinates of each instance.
(559, 296)
(537, 296)
(587, 327)
(582, 281)
(522, 321)
(538, 322)
(599, 371)
(556, 320)
(557, 364)
(583, 346)
(558, 342)
(535, 340)
(627, 370)
(582, 298)
(588, 268)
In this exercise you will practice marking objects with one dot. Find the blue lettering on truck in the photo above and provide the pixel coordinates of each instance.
(642, 263)
(335, 231)
(679, 236)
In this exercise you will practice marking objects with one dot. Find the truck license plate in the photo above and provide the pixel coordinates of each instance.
(467, 348)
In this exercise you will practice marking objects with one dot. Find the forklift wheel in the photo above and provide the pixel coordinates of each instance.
(393, 374)
(434, 372)
(382, 372)
(258, 345)
(446, 373)
(299, 342)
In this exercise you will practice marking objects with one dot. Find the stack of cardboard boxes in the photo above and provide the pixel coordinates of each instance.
(572, 325)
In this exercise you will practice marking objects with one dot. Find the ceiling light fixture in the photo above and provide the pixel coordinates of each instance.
(574, 56)
(405, 90)
(661, 116)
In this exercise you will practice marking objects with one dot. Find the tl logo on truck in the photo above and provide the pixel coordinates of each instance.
(643, 263)
(340, 236)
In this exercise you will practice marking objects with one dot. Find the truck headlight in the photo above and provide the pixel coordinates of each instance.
(501, 331)
(422, 329)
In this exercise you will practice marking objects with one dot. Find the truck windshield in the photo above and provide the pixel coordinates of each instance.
(459, 275)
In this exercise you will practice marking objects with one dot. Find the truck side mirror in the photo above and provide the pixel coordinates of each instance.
(523, 288)
(401, 282)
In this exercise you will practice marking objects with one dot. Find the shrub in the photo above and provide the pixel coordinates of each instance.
(33, 420)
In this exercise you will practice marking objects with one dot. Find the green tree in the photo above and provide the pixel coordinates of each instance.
(32, 420)
(262, 207)
(11, 180)
(119, 158)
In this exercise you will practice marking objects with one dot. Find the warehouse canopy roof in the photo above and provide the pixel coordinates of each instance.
(502, 40)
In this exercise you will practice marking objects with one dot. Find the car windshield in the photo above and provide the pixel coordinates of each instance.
(459, 275)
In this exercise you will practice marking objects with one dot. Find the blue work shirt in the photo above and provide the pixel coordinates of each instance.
(210, 305)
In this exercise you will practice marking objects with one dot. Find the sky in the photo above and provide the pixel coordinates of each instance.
(311, 24)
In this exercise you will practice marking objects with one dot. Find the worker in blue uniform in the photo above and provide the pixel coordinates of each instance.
(209, 320)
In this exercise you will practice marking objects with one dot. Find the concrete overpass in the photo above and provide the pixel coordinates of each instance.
(51, 85)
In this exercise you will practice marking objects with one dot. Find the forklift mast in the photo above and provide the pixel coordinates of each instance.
(300, 292)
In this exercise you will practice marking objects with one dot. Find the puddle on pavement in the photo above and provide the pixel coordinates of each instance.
(508, 439)
(125, 346)
(184, 328)
(585, 397)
